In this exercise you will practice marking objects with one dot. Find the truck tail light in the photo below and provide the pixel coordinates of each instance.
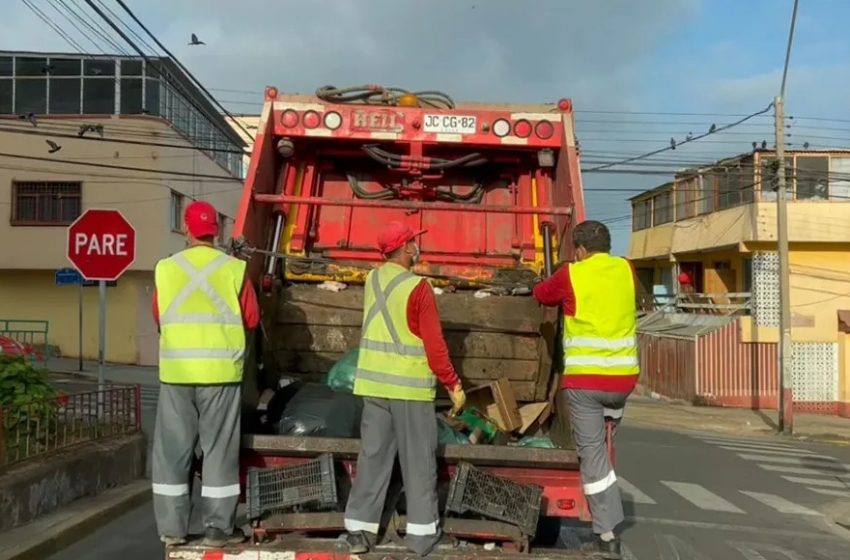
(566, 504)
(522, 128)
(289, 118)
(501, 128)
(333, 120)
(544, 130)
(312, 119)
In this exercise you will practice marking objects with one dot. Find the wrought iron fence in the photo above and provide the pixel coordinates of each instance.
(41, 427)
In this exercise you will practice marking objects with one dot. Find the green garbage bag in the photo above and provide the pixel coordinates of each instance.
(446, 435)
(541, 442)
(341, 375)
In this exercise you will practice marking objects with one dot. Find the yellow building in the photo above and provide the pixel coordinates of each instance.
(101, 132)
(717, 224)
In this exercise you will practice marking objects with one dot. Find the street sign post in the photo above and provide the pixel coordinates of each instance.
(101, 246)
(72, 277)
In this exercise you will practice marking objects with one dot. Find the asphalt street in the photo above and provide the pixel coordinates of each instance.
(687, 496)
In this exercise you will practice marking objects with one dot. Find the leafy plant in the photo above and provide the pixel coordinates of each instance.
(28, 403)
(21, 383)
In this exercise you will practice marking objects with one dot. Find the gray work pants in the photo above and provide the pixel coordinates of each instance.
(185, 415)
(588, 410)
(409, 429)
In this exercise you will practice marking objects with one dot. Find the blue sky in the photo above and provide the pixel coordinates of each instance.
(722, 57)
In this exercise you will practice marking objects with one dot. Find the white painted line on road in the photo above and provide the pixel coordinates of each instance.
(831, 492)
(804, 470)
(632, 493)
(779, 503)
(750, 444)
(802, 452)
(813, 535)
(802, 461)
(818, 482)
(701, 497)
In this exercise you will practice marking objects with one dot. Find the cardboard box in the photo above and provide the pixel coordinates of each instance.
(497, 401)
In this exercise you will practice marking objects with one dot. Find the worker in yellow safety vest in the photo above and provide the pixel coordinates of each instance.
(597, 295)
(203, 305)
(402, 357)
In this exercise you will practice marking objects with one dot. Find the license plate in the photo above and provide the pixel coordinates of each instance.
(451, 124)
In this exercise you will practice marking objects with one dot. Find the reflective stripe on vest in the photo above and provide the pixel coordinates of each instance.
(391, 360)
(601, 338)
(202, 338)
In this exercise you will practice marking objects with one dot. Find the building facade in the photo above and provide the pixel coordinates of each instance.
(706, 243)
(101, 132)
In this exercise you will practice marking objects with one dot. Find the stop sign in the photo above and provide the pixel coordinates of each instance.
(101, 244)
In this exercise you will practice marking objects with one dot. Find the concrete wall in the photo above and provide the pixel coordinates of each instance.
(38, 487)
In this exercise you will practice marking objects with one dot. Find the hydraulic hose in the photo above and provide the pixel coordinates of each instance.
(378, 95)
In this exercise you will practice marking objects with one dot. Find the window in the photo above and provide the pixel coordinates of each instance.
(748, 274)
(686, 196)
(152, 97)
(812, 177)
(45, 203)
(98, 96)
(707, 193)
(176, 211)
(768, 175)
(839, 178)
(662, 211)
(65, 96)
(641, 214)
(31, 96)
(131, 96)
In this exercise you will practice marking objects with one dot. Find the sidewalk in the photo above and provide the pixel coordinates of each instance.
(115, 373)
(668, 415)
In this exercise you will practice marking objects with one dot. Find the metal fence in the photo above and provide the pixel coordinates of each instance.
(32, 335)
(41, 427)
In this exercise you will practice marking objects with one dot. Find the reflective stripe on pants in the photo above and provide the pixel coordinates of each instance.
(588, 410)
(406, 428)
(185, 414)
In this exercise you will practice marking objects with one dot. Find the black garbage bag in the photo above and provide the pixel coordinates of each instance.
(318, 410)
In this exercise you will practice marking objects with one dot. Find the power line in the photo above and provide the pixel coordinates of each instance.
(188, 96)
(111, 166)
(693, 139)
(98, 33)
(50, 23)
(181, 66)
(788, 49)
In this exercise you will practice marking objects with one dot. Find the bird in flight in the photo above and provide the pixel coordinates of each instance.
(54, 147)
(29, 117)
(196, 41)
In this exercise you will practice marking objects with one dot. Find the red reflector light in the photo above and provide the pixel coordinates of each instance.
(544, 130)
(566, 504)
(565, 105)
(522, 128)
(312, 119)
(289, 118)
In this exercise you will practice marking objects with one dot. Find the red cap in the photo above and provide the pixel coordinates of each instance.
(396, 234)
(201, 219)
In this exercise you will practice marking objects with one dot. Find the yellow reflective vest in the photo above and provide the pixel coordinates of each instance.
(600, 339)
(391, 363)
(202, 337)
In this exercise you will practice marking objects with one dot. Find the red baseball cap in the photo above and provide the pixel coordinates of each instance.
(201, 219)
(396, 234)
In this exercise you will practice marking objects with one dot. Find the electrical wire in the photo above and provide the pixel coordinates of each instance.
(50, 23)
(180, 65)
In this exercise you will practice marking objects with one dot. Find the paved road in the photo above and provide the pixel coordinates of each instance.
(687, 496)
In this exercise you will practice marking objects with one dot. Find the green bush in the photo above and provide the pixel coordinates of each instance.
(21, 383)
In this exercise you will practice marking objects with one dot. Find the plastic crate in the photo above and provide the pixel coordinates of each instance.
(473, 490)
(275, 489)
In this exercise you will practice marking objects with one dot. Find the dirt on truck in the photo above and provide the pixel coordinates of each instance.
(498, 188)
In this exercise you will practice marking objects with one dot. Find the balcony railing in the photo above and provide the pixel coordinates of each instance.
(729, 303)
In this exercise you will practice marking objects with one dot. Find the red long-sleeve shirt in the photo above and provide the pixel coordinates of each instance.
(423, 320)
(558, 290)
(247, 302)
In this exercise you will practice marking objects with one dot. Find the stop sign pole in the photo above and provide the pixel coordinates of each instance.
(101, 246)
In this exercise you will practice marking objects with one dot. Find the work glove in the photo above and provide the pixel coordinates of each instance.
(458, 398)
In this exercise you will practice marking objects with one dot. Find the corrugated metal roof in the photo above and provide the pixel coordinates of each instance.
(681, 325)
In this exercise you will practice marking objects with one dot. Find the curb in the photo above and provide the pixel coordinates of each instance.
(54, 532)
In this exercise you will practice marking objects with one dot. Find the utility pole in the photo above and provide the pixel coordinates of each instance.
(786, 398)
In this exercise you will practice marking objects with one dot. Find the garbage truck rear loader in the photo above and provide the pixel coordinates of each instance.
(498, 188)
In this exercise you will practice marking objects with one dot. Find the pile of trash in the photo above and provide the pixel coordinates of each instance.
(329, 409)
